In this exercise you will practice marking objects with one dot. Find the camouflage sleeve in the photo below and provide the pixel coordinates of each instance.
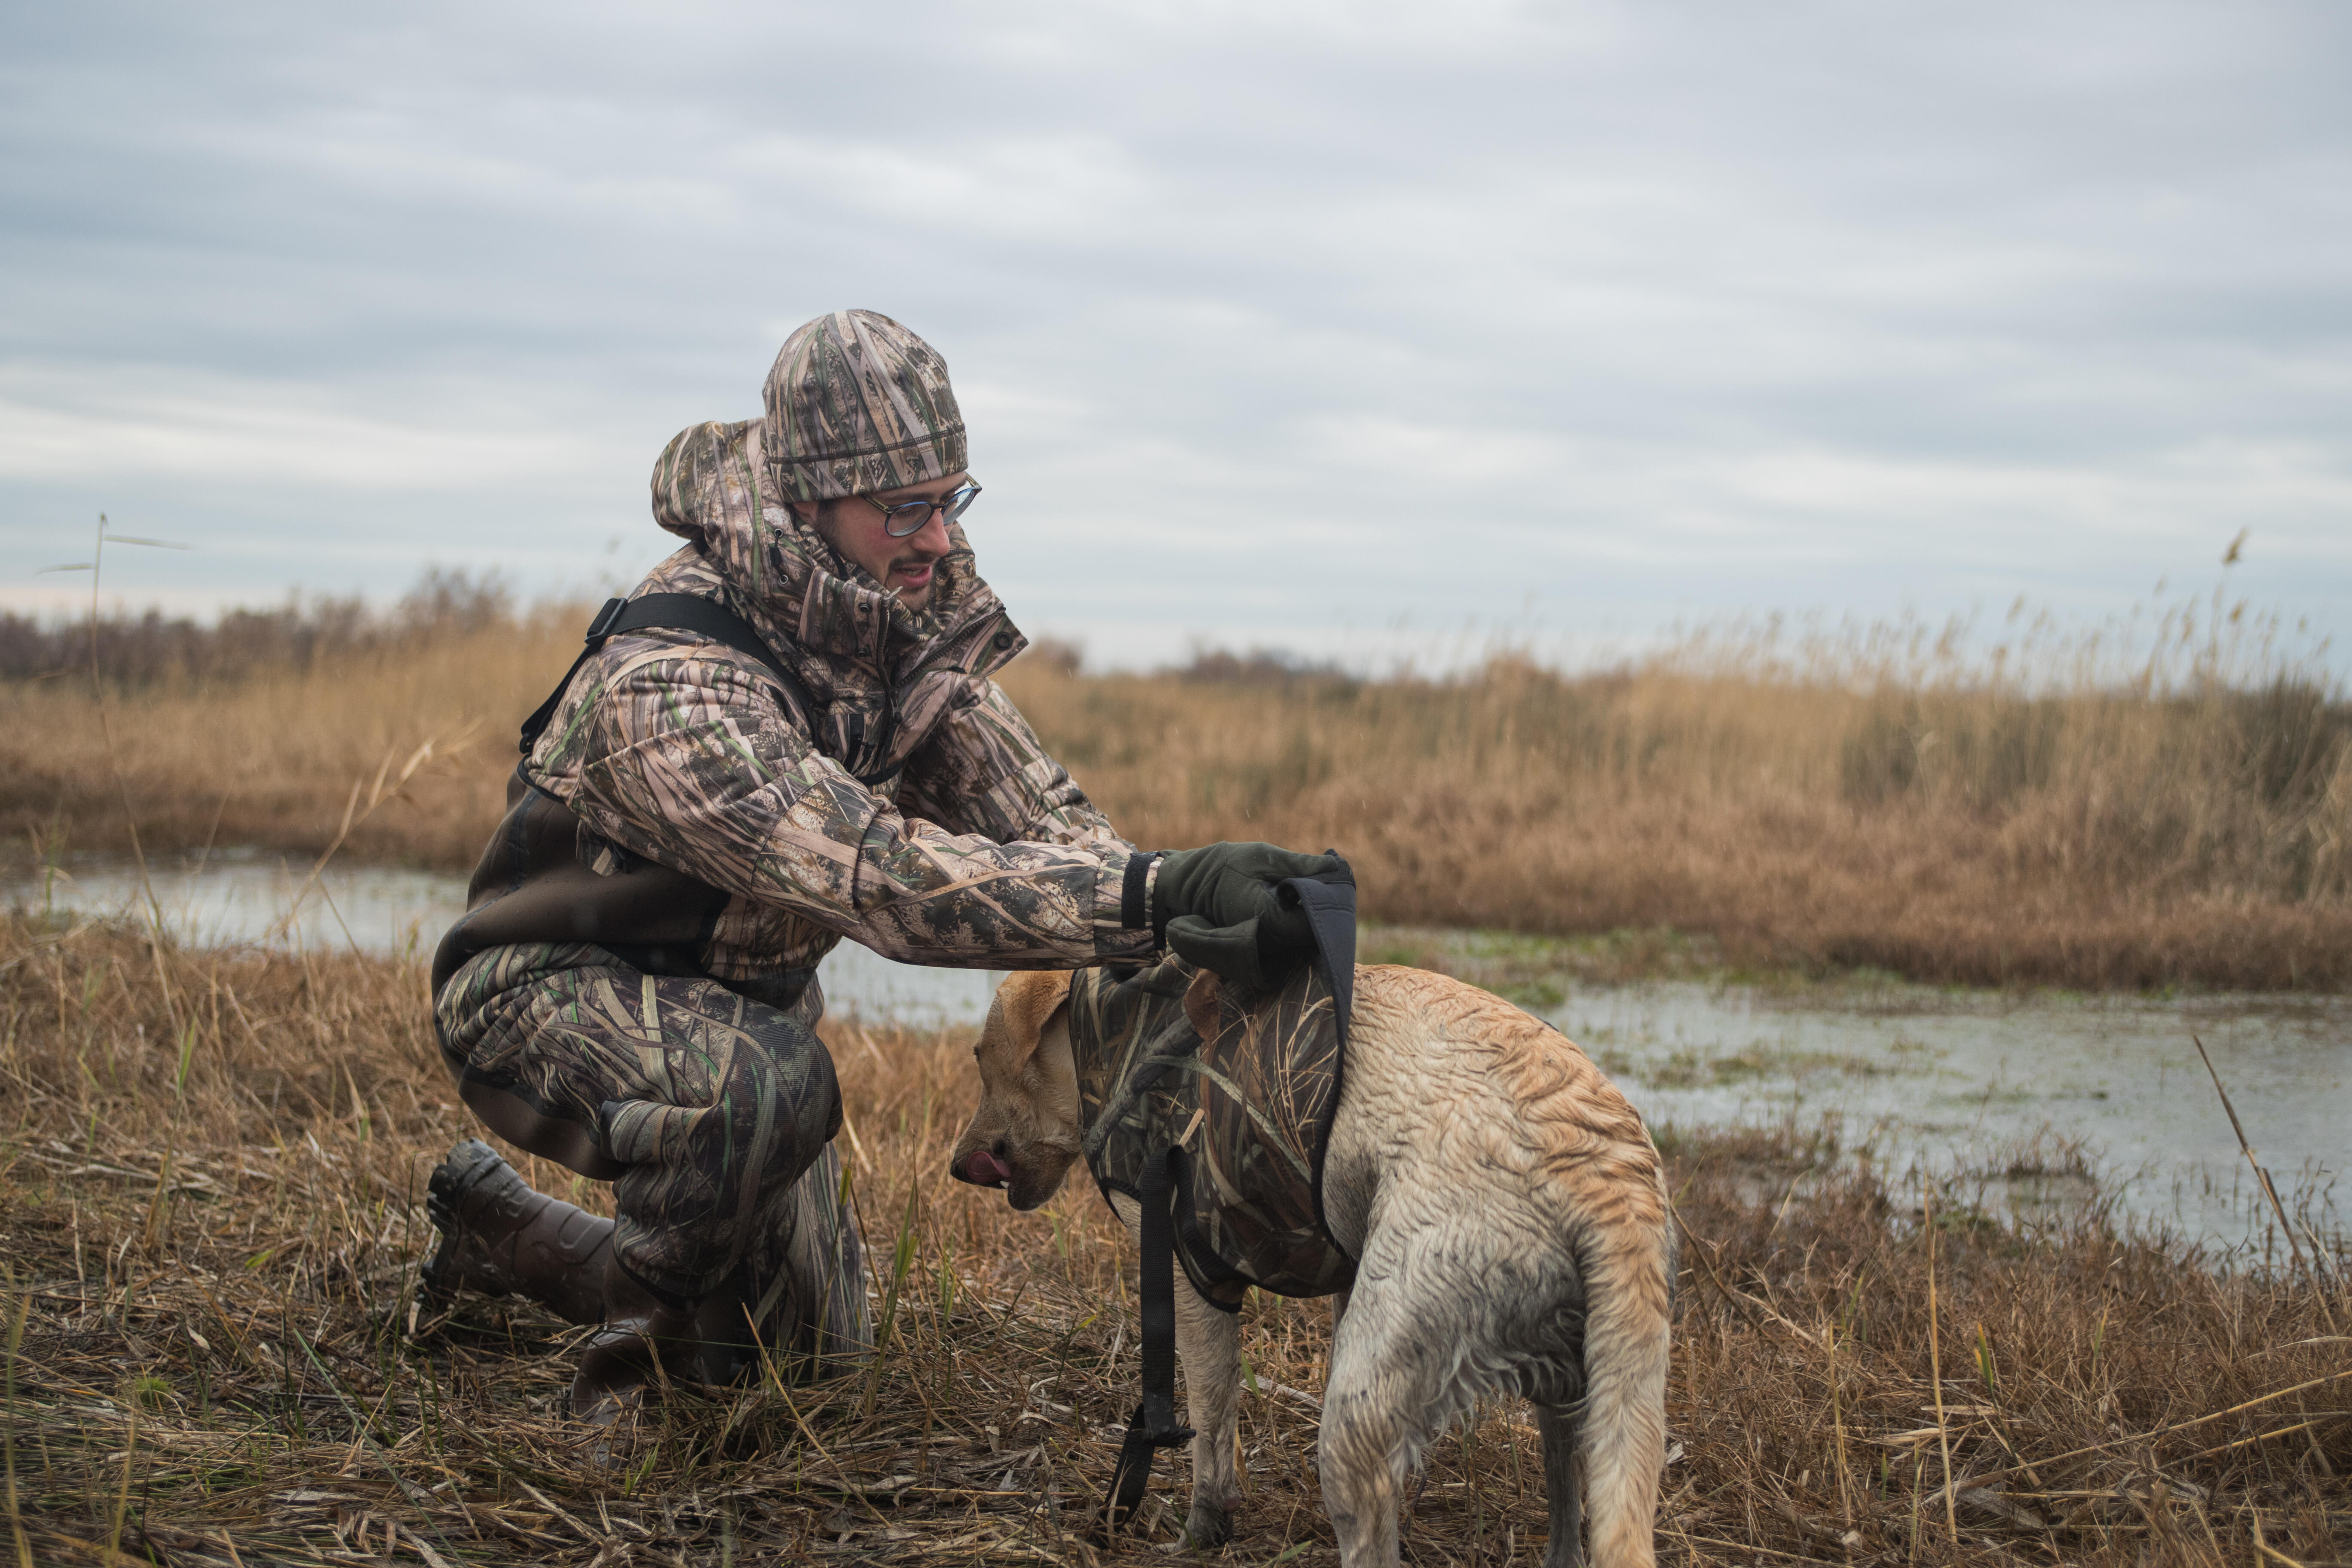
(984, 771)
(690, 762)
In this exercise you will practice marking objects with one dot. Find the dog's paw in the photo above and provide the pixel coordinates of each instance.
(1207, 1527)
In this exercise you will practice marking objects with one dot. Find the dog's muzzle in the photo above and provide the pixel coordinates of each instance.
(982, 1169)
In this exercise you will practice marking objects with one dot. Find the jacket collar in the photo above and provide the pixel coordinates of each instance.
(798, 590)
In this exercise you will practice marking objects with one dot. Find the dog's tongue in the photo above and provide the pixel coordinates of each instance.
(984, 1169)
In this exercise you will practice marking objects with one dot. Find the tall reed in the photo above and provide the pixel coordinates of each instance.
(2168, 808)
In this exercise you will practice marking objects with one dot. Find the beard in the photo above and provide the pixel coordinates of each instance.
(914, 597)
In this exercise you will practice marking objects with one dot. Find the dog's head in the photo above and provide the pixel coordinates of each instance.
(1025, 1132)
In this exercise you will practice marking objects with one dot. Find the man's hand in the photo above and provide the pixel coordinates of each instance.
(1219, 907)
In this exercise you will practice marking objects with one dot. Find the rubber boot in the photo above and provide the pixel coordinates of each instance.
(646, 1340)
(725, 1343)
(500, 1237)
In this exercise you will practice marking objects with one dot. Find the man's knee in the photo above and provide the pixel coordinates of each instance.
(798, 1088)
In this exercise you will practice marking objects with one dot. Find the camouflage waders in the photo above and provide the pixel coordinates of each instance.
(709, 1110)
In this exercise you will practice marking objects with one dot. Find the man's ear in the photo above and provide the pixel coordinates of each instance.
(815, 514)
(1027, 1001)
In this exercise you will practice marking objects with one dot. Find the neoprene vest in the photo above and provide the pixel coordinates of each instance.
(1249, 1109)
(542, 880)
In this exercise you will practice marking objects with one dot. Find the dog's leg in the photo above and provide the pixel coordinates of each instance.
(1558, 1424)
(1402, 1368)
(1338, 1311)
(1361, 1452)
(1209, 1346)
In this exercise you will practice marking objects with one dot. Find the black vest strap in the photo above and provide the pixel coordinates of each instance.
(679, 611)
(1153, 1427)
(1331, 915)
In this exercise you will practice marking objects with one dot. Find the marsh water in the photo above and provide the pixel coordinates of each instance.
(2023, 1099)
(2031, 1103)
(240, 897)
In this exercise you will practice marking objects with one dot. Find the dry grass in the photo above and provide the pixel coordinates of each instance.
(2047, 815)
(1857, 803)
(274, 759)
(214, 1355)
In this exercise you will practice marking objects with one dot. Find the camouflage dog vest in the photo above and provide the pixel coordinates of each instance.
(1246, 1106)
(1218, 1134)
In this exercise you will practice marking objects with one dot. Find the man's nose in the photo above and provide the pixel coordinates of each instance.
(932, 538)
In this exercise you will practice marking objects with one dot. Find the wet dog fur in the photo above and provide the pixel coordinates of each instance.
(1507, 1210)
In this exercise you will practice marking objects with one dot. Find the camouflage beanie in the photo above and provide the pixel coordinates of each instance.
(856, 403)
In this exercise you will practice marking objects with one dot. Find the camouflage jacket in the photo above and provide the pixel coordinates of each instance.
(1249, 1101)
(914, 812)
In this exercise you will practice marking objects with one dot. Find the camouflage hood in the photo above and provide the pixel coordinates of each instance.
(855, 645)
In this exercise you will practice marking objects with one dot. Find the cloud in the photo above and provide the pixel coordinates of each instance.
(1304, 317)
(60, 422)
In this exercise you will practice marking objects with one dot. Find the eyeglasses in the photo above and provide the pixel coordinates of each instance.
(908, 518)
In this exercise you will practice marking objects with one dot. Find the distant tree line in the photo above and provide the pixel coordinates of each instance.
(136, 649)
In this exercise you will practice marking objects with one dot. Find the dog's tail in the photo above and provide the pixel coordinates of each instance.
(1628, 1269)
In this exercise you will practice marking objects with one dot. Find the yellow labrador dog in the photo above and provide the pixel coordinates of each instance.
(1508, 1214)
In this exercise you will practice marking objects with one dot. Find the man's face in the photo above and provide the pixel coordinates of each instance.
(854, 525)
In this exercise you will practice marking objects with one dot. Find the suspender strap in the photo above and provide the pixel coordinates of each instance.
(1153, 1426)
(676, 612)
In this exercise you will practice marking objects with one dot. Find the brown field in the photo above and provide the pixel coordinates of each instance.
(214, 1353)
(2042, 816)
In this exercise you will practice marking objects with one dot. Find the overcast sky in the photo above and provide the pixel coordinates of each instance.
(1343, 327)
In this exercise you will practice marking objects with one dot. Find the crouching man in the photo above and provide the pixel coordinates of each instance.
(787, 735)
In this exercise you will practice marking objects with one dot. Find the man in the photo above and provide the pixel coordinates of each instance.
(790, 736)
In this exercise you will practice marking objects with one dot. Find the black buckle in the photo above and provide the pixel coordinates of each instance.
(602, 626)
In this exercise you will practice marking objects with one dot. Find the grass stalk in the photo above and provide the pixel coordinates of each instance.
(2270, 1192)
(902, 1259)
(122, 1497)
(1935, 1370)
(20, 1307)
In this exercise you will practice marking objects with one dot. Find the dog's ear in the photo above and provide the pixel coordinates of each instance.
(1028, 1000)
(1203, 1004)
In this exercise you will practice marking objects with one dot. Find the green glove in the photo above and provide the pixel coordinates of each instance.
(1219, 908)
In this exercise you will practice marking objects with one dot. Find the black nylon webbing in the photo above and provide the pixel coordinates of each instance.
(680, 612)
(1134, 913)
(1153, 1427)
(1331, 915)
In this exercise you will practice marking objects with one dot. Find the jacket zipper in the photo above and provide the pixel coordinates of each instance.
(877, 751)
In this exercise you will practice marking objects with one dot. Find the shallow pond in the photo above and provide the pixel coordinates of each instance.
(2021, 1096)
(250, 898)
